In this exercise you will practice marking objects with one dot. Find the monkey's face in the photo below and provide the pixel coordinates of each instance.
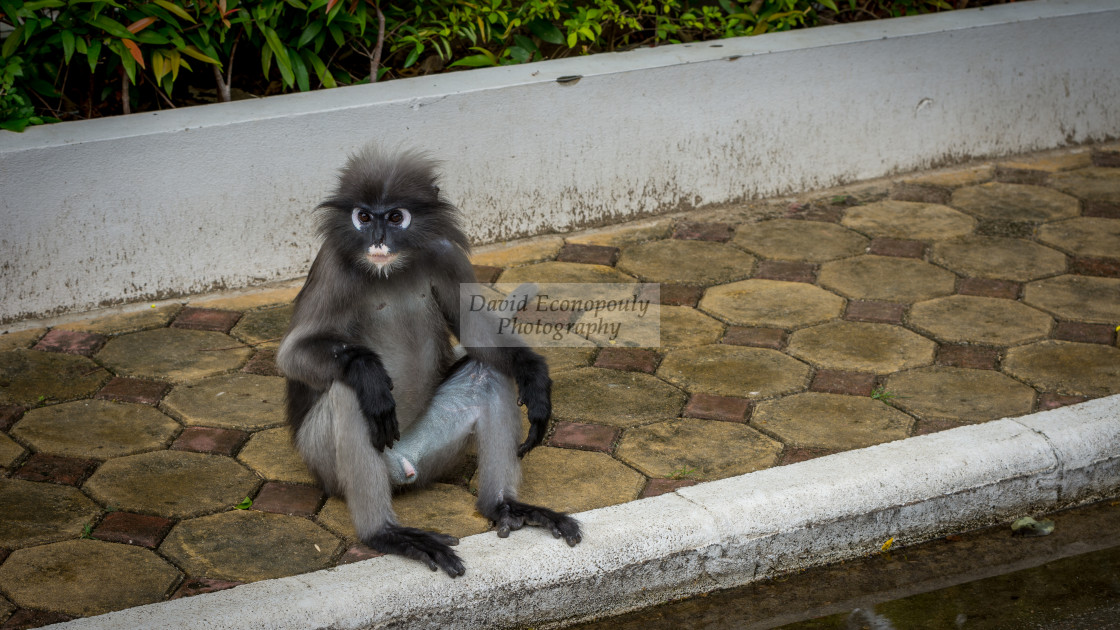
(383, 234)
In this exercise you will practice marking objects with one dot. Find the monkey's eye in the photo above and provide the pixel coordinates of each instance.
(360, 217)
(399, 217)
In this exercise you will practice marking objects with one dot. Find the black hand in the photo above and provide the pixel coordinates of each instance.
(428, 547)
(365, 374)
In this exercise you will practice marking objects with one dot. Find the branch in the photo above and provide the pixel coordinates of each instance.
(375, 57)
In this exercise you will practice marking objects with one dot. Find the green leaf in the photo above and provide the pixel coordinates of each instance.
(829, 4)
(43, 4)
(17, 125)
(67, 45)
(475, 61)
(320, 68)
(93, 54)
(176, 9)
(245, 504)
(303, 80)
(283, 61)
(413, 55)
(309, 33)
(520, 54)
(573, 38)
(192, 51)
(11, 42)
(547, 31)
(110, 26)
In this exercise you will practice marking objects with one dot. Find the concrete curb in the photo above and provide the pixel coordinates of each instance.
(715, 535)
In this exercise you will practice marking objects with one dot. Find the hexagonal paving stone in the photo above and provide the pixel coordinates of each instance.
(566, 358)
(1052, 162)
(831, 421)
(118, 323)
(1066, 367)
(96, 429)
(175, 354)
(86, 577)
(232, 401)
(560, 272)
(738, 371)
(21, 339)
(174, 484)
(959, 394)
(862, 347)
(701, 449)
(1015, 202)
(1078, 298)
(952, 178)
(441, 507)
(772, 303)
(519, 253)
(30, 377)
(685, 326)
(37, 513)
(264, 328)
(907, 219)
(625, 234)
(250, 298)
(810, 241)
(998, 257)
(10, 451)
(1084, 236)
(613, 397)
(273, 456)
(968, 319)
(678, 261)
(575, 481)
(1091, 184)
(246, 546)
(886, 279)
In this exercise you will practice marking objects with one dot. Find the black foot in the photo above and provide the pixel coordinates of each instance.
(428, 547)
(513, 515)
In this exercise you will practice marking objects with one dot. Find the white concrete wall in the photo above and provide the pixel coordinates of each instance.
(162, 204)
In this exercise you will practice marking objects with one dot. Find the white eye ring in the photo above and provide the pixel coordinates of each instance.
(406, 218)
(357, 221)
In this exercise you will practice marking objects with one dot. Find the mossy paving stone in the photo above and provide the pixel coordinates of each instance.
(959, 394)
(886, 279)
(174, 354)
(20, 340)
(862, 347)
(247, 546)
(998, 257)
(1051, 163)
(560, 359)
(271, 454)
(37, 513)
(970, 319)
(86, 577)
(10, 451)
(96, 429)
(625, 234)
(772, 303)
(1084, 236)
(954, 178)
(172, 484)
(1015, 202)
(567, 480)
(251, 299)
(613, 397)
(809, 241)
(1066, 367)
(119, 323)
(685, 326)
(831, 421)
(1078, 298)
(734, 371)
(263, 328)
(520, 253)
(908, 219)
(439, 507)
(1096, 183)
(697, 449)
(232, 401)
(565, 272)
(676, 261)
(30, 377)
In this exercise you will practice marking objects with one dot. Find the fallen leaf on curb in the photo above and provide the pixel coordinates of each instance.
(1027, 526)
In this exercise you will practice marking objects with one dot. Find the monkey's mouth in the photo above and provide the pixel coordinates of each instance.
(379, 256)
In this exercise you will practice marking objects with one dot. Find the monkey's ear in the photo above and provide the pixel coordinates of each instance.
(435, 189)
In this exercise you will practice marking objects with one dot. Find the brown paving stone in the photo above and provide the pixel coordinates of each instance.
(969, 319)
(127, 528)
(830, 421)
(628, 359)
(1077, 298)
(972, 357)
(119, 323)
(440, 507)
(1084, 236)
(1095, 183)
(874, 311)
(198, 586)
(20, 340)
(901, 248)
(263, 328)
(38, 513)
(886, 279)
(247, 545)
(682, 326)
(210, 440)
(233, 401)
(173, 354)
(263, 363)
(673, 261)
(861, 347)
(1050, 162)
(288, 498)
(576, 481)
(817, 212)
(727, 370)
(68, 471)
(206, 319)
(625, 234)
(588, 254)
(173, 484)
(100, 577)
(703, 231)
(841, 382)
(990, 287)
(24, 618)
(1105, 156)
(133, 390)
(1050, 400)
(953, 177)
(723, 408)
(357, 553)
(566, 358)
(771, 304)
(271, 454)
(785, 239)
(1107, 267)
(29, 378)
(787, 270)
(918, 193)
(1066, 367)
(935, 425)
(969, 396)
(10, 453)
(658, 487)
(70, 342)
(9, 414)
(1008, 175)
(1015, 202)
(908, 221)
(584, 437)
(564, 272)
(487, 274)
(613, 397)
(797, 455)
(1085, 333)
(96, 429)
(712, 450)
(680, 295)
(773, 338)
(1007, 229)
(1102, 209)
(998, 257)
(250, 298)
(518, 253)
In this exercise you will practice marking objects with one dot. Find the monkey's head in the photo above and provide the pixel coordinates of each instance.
(387, 211)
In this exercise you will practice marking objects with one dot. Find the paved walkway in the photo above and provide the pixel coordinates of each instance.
(790, 329)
